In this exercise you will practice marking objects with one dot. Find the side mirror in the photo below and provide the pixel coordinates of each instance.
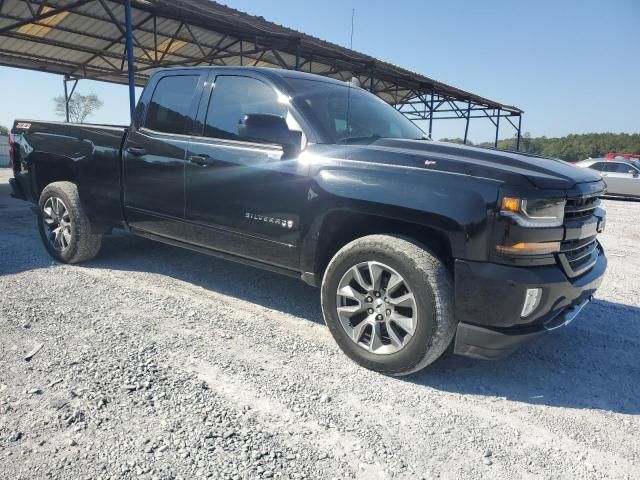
(635, 173)
(267, 128)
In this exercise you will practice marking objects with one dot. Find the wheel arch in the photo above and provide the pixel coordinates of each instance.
(336, 228)
(50, 168)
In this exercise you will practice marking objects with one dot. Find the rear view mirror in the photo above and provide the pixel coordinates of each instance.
(266, 128)
(633, 172)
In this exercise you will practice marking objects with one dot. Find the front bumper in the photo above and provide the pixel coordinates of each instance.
(489, 299)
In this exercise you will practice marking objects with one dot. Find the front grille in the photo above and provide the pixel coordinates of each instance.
(577, 256)
(581, 207)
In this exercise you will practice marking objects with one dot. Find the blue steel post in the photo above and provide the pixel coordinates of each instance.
(495, 144)
(519, 126)
(66, 99)
(130, 62)
(466, 128)
(372, 87)
(433, 92)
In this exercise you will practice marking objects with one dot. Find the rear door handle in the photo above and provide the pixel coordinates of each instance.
(138, 152)
(202, 160)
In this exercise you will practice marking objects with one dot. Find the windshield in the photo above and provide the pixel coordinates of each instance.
(347, 114)
(635, 163)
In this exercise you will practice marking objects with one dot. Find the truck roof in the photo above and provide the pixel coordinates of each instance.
(272, 72)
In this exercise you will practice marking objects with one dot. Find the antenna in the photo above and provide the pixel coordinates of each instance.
(349, 84)
(353, 14)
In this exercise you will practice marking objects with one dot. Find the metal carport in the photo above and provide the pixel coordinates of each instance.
(123, 41)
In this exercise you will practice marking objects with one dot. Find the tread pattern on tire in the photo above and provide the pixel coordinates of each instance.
(435, 274)
(86, 244)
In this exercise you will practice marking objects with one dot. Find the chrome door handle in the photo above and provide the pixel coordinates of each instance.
(202, 160)
(138, 152)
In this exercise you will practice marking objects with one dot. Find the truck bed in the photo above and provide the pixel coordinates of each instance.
(89, 152)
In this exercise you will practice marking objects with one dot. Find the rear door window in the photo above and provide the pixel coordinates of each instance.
(170, 103)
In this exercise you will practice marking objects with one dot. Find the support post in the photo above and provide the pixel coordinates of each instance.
(66, 100)
(466, 128)
(130, 61)
(495, 144)
(433, 93)
(298, 55)
(372, 86)
(519, 126)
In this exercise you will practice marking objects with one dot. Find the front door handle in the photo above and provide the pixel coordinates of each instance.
(202, 160)
(136, 151)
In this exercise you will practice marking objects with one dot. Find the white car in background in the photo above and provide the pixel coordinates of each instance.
(621, 176)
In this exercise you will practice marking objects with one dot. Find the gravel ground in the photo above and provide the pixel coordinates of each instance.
(155, 362)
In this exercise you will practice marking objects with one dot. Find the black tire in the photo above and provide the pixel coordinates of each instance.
(431, 284)
(83, 244)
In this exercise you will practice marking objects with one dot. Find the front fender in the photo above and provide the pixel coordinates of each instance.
(458, 206)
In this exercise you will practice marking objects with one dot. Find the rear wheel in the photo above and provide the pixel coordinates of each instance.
(388, 303)
(63, 224)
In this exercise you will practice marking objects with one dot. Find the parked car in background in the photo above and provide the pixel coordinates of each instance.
(4, 151)
(623, 156)
(621, 176)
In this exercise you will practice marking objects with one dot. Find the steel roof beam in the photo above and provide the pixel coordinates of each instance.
(117, 41)
(68, 46)
(122, 30)
(141, 28)
(50, 13)
(172, 39)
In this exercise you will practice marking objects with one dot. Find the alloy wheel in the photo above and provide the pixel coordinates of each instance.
(57, 223)
(376, 307)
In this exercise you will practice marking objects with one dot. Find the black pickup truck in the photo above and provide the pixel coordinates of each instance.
(415, 243)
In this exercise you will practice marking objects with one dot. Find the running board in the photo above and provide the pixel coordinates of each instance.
(216, 253)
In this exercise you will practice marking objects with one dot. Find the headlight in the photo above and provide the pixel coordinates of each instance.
(547, 212)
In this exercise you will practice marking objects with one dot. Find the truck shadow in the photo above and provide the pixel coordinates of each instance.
(267, 289)
(592, 364)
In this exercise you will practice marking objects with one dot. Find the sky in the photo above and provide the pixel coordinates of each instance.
(572, 66)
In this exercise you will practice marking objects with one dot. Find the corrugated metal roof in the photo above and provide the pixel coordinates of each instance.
(79, 38)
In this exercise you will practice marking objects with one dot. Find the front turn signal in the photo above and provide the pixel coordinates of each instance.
(526, 248)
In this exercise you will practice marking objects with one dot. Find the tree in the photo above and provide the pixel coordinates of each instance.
(575, 146)
(4, 130)
(456, 140)
(80, 106)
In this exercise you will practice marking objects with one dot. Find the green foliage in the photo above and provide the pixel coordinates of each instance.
(455, 140)
(80, 106)
(572, 147)
(4, 130)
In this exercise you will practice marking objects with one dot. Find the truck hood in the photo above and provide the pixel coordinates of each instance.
(506, 166)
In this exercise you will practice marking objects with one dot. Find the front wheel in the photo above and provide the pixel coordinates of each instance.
(63, 224)
(388, 303)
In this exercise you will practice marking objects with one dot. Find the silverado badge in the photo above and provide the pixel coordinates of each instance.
(267, 219)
